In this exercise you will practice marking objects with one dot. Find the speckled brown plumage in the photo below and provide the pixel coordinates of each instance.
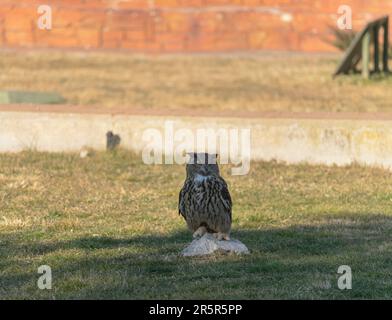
(204, 200)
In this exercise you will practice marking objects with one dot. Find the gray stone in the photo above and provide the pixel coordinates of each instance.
(208, 244)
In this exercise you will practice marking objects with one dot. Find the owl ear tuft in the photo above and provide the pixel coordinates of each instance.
(192, 157)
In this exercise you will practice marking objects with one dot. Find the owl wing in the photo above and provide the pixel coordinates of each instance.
(225, 197)
(181, 200)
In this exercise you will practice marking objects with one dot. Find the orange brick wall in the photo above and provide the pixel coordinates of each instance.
(181, 25)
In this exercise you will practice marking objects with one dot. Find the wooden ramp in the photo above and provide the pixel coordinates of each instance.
(360, 49)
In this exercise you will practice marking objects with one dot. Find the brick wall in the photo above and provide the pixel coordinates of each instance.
(181, 25)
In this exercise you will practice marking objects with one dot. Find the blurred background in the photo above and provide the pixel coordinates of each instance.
(221, 55)
(163, 26)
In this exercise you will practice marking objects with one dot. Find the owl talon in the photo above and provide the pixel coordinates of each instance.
(222, 236)
(218, 236)
(200, 232)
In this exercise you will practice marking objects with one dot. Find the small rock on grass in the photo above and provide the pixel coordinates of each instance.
(85, 152)
(208, 244)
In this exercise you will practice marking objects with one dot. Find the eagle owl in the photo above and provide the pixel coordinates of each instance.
(204, 200)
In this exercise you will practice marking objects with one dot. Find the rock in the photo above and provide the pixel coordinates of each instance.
(208, 244)
(86, 152)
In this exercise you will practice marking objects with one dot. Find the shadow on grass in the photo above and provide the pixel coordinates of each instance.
(293, 262)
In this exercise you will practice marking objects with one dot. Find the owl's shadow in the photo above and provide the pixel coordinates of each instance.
(358, 236)
(333, 237)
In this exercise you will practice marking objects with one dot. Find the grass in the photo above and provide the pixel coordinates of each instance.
(258, 82)
(108, 226)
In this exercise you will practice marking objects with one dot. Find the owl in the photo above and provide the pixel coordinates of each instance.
(204, 200)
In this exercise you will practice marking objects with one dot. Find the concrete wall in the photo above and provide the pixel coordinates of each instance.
(326, 141)
(181, 25)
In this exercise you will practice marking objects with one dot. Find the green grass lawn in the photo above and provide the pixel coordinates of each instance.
(257, 82)
(109, 228)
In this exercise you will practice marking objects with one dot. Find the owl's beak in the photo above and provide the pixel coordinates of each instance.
(203, 172)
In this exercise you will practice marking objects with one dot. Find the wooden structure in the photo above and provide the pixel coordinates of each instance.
(360, 49)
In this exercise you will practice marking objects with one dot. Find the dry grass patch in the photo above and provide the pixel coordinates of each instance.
(259, 82)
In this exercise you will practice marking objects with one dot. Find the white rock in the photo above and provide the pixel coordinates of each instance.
(84, 152)
(208, 244)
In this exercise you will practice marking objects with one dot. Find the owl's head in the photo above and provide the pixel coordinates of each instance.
(202, 163)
